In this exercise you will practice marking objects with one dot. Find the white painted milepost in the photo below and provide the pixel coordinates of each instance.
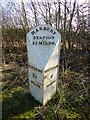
(43, 45)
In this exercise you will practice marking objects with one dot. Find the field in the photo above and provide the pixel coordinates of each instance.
(72, 100)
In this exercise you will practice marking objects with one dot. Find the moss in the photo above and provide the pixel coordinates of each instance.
(71, 100)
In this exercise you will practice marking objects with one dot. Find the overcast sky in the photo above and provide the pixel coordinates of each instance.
(79, 1)
(5, 4)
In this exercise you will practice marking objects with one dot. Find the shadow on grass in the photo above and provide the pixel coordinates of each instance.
(17, 101)
(19, 105)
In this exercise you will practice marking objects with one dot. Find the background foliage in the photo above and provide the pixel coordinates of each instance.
(72, 100)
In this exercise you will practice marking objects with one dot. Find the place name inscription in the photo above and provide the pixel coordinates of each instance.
(39, 85)
(43, 40)
(34, 68)
(43, 43)
(51, 83)
(43, 29)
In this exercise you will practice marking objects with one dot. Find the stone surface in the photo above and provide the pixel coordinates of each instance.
(43, 45)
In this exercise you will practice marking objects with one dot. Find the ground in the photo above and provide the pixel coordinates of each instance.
(72, 100)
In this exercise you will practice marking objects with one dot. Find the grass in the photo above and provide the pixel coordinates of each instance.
(72, 100)
(17, 101)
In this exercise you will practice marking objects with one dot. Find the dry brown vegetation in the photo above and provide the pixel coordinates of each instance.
(72, 100)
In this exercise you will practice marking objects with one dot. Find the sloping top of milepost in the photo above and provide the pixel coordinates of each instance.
(41, 41)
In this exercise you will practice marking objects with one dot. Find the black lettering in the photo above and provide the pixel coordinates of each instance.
(51, 31)
(33, 32)
(37, 30)
(44, 28)
(40, 43)
(49, 37)
(36, 42)
(37, 37)
(53, 43)
(40, 37)
(54, 33)
(46, 43)
(48, 29)
(34, 75)
(43, 37)
(51, 83)
(34, 37)
(33, 43)
(52, 37)
(40, 28)
(49, 43)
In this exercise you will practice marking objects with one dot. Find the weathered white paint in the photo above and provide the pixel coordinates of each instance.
(43, 45)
